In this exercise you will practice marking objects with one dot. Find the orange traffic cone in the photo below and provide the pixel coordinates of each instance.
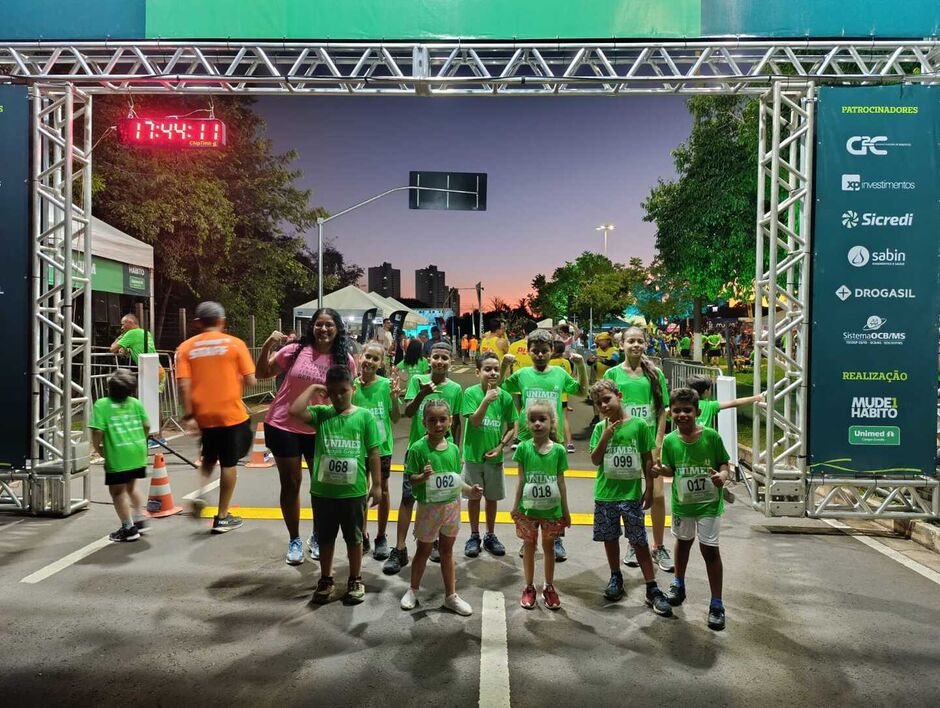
(260, 455)
(160, 500)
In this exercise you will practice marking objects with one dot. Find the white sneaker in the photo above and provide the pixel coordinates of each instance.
(454, 603)
(409, 600)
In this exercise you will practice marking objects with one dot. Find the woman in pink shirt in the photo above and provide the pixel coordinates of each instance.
(302, 364)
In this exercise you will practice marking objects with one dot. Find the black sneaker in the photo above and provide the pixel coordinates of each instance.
(615, 589)
(472, 548)
(380, 552)
(716, 617)
(657, 599)
(396, 561)
(492, 544)
(142, 526)
(124, 534)
(229, 523)
(435, 554)
(366, 546)
(675, 594)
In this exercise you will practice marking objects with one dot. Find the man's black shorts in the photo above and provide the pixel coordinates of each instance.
(227, 444)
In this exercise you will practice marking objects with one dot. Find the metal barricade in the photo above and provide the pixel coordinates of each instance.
(678, 371)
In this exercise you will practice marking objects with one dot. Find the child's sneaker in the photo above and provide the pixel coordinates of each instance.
(435, 554)
(295, 551)
(615, 589)
(455, 603)
(657, 599)
(229, 523)
(409, 600)
(313, 547)
(396, 561)
(662, 558)
(380, 552)
(366, 546)
(124, 534)
(570, 448)
(324, 591)
(142, 526)
(550, 597)
(630, 560)
(675, 594)
(528, 597)
(716, 617)
(355, 592)
(561, 555)
(472, 548)
(196, 507)
(492, 544)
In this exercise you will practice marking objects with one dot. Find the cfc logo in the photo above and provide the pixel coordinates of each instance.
(866, 144)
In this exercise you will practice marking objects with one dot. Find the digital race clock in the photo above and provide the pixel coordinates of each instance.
(172, 132)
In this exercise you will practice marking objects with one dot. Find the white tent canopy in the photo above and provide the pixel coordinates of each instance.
(352, 302)
(115, 245)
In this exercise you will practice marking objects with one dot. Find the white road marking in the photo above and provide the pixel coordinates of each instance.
(11, 524)
(64, 563)
(884, 550)
(203, 490)
(494, 653)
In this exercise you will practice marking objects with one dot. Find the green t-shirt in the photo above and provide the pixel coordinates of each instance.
(450, 391)
(342, 447)
(377, 399)
(445, 484)
(693, 493)
(714, 340)
(620, 475)
(500, 414)
(422, 367)
(125, 436)
(638, 394)
(133, 341)
(548, 385)
(540, 498)
(685, 343)
(707, 410)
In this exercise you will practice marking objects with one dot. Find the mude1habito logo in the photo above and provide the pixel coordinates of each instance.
(874, 407)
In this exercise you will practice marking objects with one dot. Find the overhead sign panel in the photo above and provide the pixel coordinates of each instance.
(452, 191)
(876, 296)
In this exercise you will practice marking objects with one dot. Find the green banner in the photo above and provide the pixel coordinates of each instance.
(876, 293)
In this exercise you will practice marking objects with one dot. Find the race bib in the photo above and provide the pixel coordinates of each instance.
(623, 463)
(638, 411)
(540, 495)
(338, 470)
(443, 487)
(696, 489)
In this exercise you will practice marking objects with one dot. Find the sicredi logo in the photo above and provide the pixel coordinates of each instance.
(855, 183)
(871, 333)
(860, 256)
(874, 407)
(851, 219)
(844, 293)
(871, 145)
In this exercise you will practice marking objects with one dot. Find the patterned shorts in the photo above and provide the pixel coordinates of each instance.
(527, 527)
(433, 520)
(607, 516)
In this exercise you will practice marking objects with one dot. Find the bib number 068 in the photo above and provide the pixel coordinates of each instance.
(338, 466)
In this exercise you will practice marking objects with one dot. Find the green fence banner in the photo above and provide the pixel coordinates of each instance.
(875, 282)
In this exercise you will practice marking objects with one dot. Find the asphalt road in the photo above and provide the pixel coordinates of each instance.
(814, 617)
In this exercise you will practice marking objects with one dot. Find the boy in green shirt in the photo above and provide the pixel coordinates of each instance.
(421, 389)
(119, 429)
(347, 439)
(542, 382)
(491, 424)
(621, 451)
(708, 408)
(695, 458)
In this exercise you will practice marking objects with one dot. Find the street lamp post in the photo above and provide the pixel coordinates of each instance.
(606, 228)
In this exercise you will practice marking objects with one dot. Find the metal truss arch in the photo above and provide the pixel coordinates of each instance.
(465, 68)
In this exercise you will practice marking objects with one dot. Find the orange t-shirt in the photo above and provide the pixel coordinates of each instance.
(473, 344)
(214, 363)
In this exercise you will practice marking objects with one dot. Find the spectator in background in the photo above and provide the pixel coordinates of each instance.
(134, 340)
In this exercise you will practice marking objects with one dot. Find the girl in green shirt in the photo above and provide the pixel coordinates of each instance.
(541, 500)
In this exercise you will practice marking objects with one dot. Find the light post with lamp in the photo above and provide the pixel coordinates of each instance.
(606, 228)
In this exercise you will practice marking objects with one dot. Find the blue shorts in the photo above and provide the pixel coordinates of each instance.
(607, 517)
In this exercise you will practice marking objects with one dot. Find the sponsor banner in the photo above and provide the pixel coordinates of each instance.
(15, 296)
(876, 295)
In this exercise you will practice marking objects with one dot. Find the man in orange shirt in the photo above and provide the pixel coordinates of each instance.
(211, 369)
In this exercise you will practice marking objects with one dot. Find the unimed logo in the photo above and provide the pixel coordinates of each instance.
(874, 407)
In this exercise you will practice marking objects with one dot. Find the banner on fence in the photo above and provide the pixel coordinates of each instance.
(876, 299)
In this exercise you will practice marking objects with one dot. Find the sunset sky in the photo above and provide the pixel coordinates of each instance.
(557, 168)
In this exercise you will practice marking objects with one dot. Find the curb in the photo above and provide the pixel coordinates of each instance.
(923, 533)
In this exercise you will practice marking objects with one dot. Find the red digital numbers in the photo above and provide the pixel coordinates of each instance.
(198, 133)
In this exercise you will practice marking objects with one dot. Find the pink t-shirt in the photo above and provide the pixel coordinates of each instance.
(310, 367)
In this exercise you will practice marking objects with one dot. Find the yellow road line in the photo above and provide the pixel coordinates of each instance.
(510, 471)
(273, 512)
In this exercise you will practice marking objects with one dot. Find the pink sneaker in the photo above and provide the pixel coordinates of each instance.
(528, 597)
(550, 597)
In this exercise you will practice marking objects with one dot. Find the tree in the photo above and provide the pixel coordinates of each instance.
(705, 219)
(225, 225)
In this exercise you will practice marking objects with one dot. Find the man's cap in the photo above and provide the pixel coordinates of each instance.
(601, 335)
(210, 311)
